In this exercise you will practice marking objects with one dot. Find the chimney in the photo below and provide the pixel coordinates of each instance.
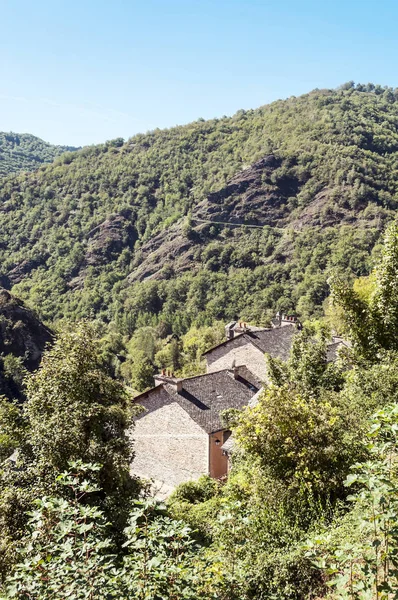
(167, 377)
(234, 370)
(229, 330)
(177, 385)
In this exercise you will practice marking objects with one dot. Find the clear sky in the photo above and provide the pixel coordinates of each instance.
(83, 71)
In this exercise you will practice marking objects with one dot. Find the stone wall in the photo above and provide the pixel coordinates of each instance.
(243, 352)
(169, 446)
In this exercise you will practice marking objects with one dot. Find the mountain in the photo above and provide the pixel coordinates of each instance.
(25, 152)
(217, 219)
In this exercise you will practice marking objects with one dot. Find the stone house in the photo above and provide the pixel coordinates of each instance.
(246, 345)
(179, 435)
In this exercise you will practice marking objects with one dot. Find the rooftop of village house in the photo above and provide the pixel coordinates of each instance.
(205, 397)
(275, 340)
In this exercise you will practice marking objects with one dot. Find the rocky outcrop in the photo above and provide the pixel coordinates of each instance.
(255, 196)
(107, 240)
(21, 332)
(23, 339)
(168, 253)
(104, 244)
(22, 270)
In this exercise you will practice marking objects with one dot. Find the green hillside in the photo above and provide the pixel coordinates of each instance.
(25, 152)
(121, 229)
(164, 237)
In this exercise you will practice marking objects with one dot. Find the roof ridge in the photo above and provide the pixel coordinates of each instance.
(239, 335)
(214, 373)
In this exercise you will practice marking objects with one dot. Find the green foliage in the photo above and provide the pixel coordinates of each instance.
(371, 386)
(25, 152)
(163, 559)
(366, 565)
(372, 323)
(205, 488)
(308, 443)
(337, 152)
(141, 373)
(151, 349)
(11, 428)
(74, 411)
(251, 531)
(307, 367)
(67, 551)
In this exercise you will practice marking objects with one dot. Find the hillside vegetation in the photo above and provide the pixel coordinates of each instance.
(310, 507)
(25, 152)
(157, 241)
(121, 229)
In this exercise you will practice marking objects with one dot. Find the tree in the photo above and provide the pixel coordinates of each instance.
(363, 564)
(163, 560)
(141, 372)
(372, 319)
(308, 443)
(307, 367)
(68, 552)
(75, 411)
(11, 428)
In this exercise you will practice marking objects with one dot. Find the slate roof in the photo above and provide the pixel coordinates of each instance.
(243, 373)
(277, 341)
(239, 335)
(205, 397)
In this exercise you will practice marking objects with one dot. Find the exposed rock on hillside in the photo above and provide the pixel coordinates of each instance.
(252, 196)
(168, 253)
(104, 244)
(23, 269)
(257, 196)
(23, 339)
(21, 332)
(107, 240)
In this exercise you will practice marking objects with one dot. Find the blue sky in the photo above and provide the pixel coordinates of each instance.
(80, 72)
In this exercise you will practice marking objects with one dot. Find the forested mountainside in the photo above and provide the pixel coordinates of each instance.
(162, 238)
(309, 509)
(25, 152)
(160, 229)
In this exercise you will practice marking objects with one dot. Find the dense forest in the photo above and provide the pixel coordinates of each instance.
(75, 234)
(25, 152)
(216, 220)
